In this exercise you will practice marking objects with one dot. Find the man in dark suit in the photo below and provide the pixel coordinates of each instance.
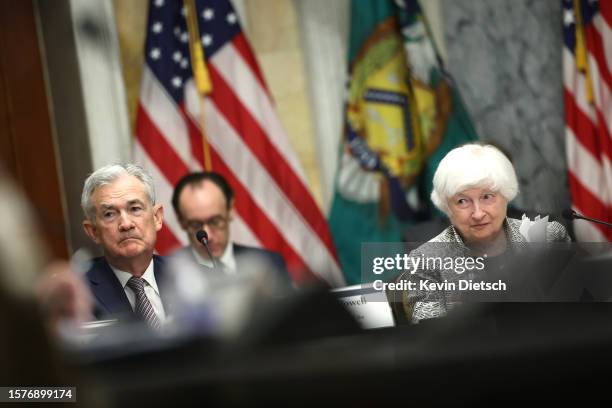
(205, 200)
(121, 216)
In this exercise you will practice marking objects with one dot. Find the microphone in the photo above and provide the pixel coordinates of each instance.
(570, 214)
(202, 238)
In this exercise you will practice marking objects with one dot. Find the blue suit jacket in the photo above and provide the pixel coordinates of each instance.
(109, 295)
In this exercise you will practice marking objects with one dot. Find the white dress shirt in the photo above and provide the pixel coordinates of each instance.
(227, 260)
(150, 287)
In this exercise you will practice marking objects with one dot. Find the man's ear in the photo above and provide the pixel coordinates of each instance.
(158, 215)
(90, 230)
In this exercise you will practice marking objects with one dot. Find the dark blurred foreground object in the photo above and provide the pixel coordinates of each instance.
(498, 354)
(308, 314)
(167, 369)
(34, 300)
(27, 355)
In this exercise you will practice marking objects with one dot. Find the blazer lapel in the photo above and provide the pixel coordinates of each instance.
(107, 289)
(161, 276)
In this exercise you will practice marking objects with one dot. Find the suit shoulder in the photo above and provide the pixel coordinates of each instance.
(160, 258)
(96, 266)
(186, 250)
(244, 249)
(268, 256)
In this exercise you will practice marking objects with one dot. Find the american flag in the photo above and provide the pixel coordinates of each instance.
(587, 77)
(247, 144)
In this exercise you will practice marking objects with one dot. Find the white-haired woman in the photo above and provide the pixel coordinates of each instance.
(472, 186)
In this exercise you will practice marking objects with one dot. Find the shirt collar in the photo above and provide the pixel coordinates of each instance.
(148, 276)
(227, 259)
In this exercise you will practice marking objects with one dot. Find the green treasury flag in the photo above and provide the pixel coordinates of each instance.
(402, 116)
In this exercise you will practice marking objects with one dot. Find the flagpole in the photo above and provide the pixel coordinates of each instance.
(200, 73)
(582, 63)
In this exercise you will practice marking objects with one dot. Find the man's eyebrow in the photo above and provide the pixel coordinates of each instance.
(135, 201)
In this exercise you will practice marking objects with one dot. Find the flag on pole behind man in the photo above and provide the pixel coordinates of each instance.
(587, 80)
(242, 135)
(402, 116)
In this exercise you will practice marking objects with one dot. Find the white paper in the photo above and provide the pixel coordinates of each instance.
(534, 231)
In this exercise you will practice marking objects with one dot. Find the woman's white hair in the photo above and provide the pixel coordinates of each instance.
(470, 166)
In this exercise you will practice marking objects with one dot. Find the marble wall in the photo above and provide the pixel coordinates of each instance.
(505, 56)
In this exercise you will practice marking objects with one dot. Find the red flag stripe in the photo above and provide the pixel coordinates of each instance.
(155, 144)
(575, 83)
(167, 242)
(195, 138)
(165, 115)
(604, 138)
(589, 150)
(589, 205)
(238, 76)
(253, 215)
(605, 11)
(596, 48)
(248, 56)
(270, 236)
(584, 166)
(268, 197)
(174, 237)
(587, 229)
(581, 125)
(247, 143)
(267, 154)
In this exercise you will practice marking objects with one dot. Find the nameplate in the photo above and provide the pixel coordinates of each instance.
(369, 307)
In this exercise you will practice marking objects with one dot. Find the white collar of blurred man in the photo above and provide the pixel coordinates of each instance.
(227, 260)
(203, 205)
(126, 223)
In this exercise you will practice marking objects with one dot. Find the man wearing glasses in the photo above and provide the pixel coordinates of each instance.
(205, 200)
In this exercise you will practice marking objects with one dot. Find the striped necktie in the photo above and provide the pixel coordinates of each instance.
(143, 307)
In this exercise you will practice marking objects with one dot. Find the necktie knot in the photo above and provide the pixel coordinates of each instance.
(136, 284)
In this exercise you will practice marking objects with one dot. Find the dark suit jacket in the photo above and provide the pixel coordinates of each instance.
(244, 253)
(109, 295)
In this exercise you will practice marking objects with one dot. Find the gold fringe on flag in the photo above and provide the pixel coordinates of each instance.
(582, 62)
(200, 72)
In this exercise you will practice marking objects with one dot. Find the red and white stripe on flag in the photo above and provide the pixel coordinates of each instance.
(587, 63)
(248, 145)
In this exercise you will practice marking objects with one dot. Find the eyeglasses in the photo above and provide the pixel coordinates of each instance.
(216, 223)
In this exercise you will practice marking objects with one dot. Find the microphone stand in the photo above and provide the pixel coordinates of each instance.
(573, 215)
(582, 217)
(202, 238)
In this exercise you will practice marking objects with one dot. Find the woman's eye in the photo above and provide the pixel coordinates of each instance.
(462, 201)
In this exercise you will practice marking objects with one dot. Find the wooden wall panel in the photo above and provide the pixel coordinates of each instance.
(26, 139)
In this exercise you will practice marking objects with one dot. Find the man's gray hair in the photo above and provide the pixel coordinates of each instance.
(106, 175)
